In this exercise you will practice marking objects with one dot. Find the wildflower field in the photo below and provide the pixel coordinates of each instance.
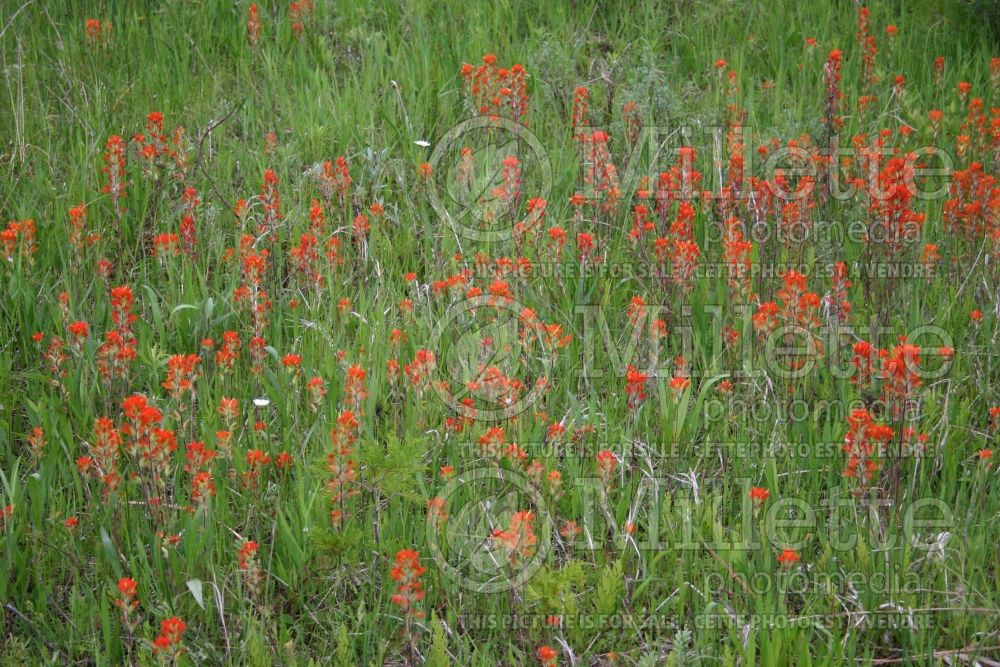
(499, 333)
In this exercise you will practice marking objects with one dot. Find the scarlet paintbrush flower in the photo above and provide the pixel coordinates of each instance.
(640, 222)
(335, 181)
(547, 656)
(182, 373)
(77, 221)
(354, 388)
(305, 258)
(491, 89)
(361, 226)
(166, 245)
(635, 386)
(600, 174)
(271, 200)
(519, 539)
(518, 96)
(92, 30)
(104, 452)
(79, 331)
(584, 246)
(994, 413)
(901, 374)
(188, 229)
(6, 512)
(202, 488)
(510, 191)
(759, 495)
(18, 240)
(864, 360)
(127, 587)
(677, 386)
(834, 96)
(136, 407)
(570, 530)
(865, 444)
(606, 464)
(340, 464)
(254, 267)
(298, 13)
(868, 48)
(798, 309)
(253, 25)
(316, 386)
(168, 642)
(407, 572)
(533, 222)
(899, 85)
(421, 370)
(246, 553)
(492, 442)
(122, 302)
(36, 443)
(127, 601)
(633, 125)
(788, 558)
(425, 171)
(105, 269)
(114, 169)
(737, 252)
(837, 299)
(579, 119)
(256, 460)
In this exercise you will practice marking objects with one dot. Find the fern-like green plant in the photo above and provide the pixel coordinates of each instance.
(610, 589)
(438, 656)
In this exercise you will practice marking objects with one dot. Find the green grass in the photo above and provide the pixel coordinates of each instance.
(699, 581)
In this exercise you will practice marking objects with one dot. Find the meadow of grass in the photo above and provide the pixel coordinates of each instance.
(499, 333)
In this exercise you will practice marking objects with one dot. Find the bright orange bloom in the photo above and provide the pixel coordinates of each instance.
(547, 656)
(759, 495)
(788, 558)
(606, 464)
(169, 640)
(253, 25)
(635, 386)
(409, 590)
(519, 538)
(245, 553)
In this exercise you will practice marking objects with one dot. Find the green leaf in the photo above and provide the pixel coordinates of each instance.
(194, 585)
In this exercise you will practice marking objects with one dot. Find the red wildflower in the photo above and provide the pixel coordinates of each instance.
(547, 656)
(409, 589)
(169, 640)
(606, 464)
(253, 25)
(788, 558)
